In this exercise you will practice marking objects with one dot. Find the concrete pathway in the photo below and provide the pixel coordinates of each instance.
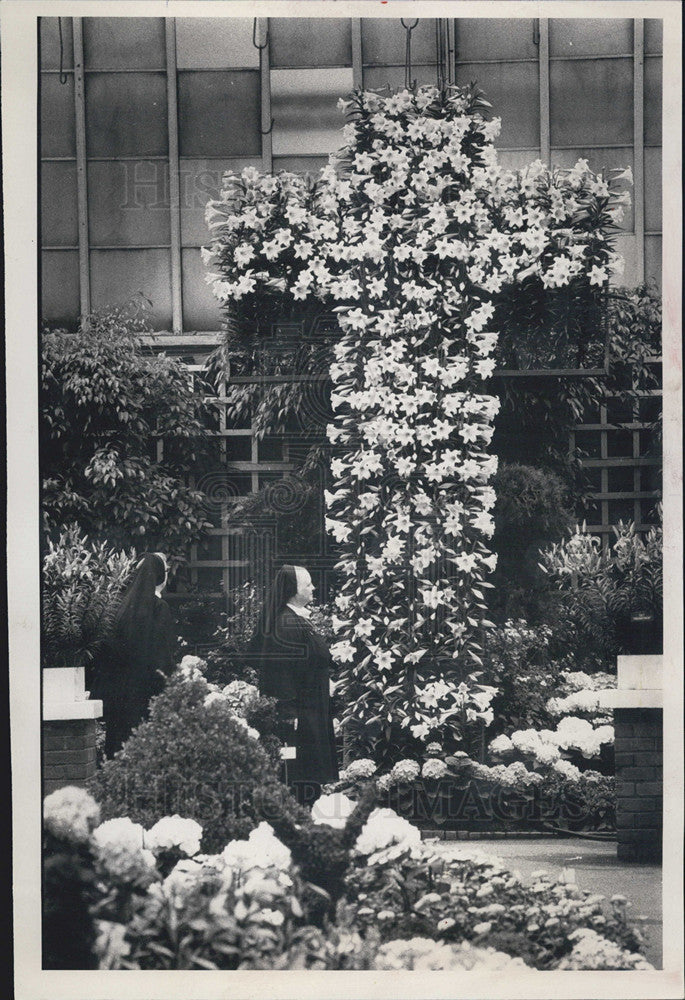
(595, 867)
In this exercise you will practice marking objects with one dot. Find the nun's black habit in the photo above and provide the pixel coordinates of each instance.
(294, 667)
(139, 654)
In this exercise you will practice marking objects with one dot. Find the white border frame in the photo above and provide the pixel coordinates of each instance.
(19, 75)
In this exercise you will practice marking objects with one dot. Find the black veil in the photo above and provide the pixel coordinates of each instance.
(269, 649)
(135, 615)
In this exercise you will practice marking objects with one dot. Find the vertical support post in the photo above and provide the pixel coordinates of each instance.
(604, 473)
(451, 28)
(639, 144)
(265, 76)
(174, 181)
(81, 167)
(543, 59)
(357, 56)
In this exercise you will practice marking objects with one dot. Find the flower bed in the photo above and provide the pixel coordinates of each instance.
(147, 899)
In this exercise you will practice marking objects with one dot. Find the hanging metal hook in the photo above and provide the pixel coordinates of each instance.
(269, 130)
(254, 35)
(62, 75)
(407, 59)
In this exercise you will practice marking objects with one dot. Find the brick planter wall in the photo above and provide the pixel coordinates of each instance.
(68, 753)
(639, 782)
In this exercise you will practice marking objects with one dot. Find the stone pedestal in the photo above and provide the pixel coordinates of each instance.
(637, 704)
(68, 729)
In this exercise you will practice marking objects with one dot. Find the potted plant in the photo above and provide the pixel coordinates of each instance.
(81, 584)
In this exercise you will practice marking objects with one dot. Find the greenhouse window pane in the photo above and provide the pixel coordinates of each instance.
(653, 188)
(129, 203)
(494, 38)
(219, 113)
(49, 42)
(117, 276)
(201, 311)
(58, 204)
(596, 36)
(59, 287)
(124, 42)
(653, 100)
(215, 43)
(602, 160)
(591, 102)
(310, 41)
(517, 159)
(300, 164)
(200, 181)
(513, 91)
(384, 41)
(378, 77)
(304, 108)
(654, 35)
(653, 258)
(126, 114)
(57, 132)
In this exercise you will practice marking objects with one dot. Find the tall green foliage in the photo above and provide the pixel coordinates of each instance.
(80, 586)
(105, 405)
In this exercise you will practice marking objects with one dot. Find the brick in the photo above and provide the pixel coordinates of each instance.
(646, 835)
(646, 758)
(641, 805)
(624, 789)
(649, 788)
(56, 771)
(635, 744)
(637, 774)
(622, 759)
(83, 756)
(637, 852)
(625, 820)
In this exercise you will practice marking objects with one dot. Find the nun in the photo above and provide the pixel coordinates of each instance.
(294, 667)
(140, 653)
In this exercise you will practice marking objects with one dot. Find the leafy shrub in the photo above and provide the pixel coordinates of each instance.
(80, 586)
(521, 665)
(537, 415)
(195, 760)
(399, 904)
(472, 898)
(533, 508)
(105, 404)
(601, 592)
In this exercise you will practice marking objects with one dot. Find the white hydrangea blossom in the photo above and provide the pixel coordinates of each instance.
(333, 810)
(119, 847)
(426, 954)
(174, 831)
(262, 849)
(362, 768)
(386, 836)
(71, 813)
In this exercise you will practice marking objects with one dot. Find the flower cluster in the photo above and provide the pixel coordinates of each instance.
(119, 847)
(425, 953)
(403, 906)
(386, 836)
(545, 746)
(333, 810)
(359, 769)
(71, 814)
(174, 832)
(411, 233)
(592, 951)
